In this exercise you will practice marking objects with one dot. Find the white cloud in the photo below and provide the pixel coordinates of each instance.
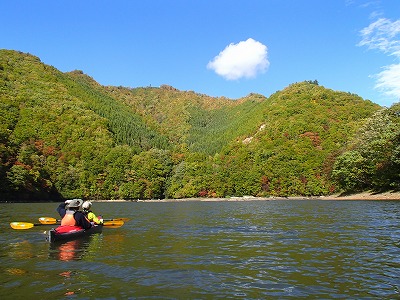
(384, 35)
(245, 59)
(389, 80)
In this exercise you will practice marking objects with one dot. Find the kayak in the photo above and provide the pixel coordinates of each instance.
(67, 233)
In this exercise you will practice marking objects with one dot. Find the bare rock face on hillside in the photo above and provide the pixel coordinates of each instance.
(168, 88)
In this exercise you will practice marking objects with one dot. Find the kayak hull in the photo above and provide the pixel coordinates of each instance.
(76, 233)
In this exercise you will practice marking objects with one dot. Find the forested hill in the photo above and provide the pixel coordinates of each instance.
(63, 135)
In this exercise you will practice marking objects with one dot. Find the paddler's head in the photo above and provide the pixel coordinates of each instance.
(87, 205)
(75, 204)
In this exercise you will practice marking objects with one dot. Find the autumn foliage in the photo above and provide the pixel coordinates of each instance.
(63, 135)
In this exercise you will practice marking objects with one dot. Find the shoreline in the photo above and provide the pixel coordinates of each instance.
(365, 196)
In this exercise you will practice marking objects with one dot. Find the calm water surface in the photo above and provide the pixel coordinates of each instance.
(209, 250)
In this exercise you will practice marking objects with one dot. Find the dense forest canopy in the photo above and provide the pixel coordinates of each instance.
(63, 135)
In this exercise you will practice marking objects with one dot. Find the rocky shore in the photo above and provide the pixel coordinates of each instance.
(359, 196)
(391, 195)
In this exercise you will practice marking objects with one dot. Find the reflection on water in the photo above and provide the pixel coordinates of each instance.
(69, 250)
(74, 249)
(249, 250)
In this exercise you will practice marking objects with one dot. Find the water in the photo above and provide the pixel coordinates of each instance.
(210, 250)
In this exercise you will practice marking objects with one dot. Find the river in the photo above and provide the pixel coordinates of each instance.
(209, 250)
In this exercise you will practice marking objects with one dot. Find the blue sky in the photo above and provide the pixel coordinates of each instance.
(216, 47)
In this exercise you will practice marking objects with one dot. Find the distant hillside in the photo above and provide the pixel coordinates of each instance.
(201, 122)
(63, 135)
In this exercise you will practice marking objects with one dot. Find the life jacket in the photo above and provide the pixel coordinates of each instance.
(68, 219)
(92, 217)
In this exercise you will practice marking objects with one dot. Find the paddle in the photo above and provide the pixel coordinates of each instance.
(50, 221)
(26, 225)
(118, 219)
(23, 225)
(114, 223)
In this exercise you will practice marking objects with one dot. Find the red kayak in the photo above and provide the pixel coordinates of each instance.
(67, 233)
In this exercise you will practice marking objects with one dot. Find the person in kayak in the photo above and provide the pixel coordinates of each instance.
(74, 217)
(87, 205)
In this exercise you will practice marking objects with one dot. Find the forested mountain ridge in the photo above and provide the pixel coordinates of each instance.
(200, 122)
(63, 135)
